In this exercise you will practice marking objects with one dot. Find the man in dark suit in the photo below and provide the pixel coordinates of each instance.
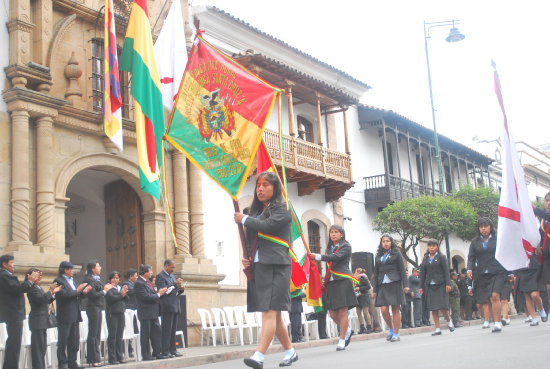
(169, 307)
(12, 308)
(414, 283)
(68, 316)
(38, 318)
(148, 313)
(295, 315)
(131, 303)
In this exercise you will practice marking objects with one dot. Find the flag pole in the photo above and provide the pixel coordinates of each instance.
(248, 272)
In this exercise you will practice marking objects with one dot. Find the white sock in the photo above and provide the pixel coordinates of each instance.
(450, 324)
(498, 324)
(534, 320)
(258, 356)
(341, 343)
(438, 329)
(348, 332)
(289, 353)
(542, 313)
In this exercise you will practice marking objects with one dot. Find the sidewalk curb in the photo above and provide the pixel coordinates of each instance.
(239, 352)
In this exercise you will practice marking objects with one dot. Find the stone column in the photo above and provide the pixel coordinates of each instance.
(45, 202)
(43, 31)
(20, 177)
(20, 28)
(197, 213)
(181, 204)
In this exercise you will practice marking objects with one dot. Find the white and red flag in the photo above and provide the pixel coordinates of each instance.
(518, 230)
(171, 54)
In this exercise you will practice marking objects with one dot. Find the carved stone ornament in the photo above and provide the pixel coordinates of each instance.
(73, 72)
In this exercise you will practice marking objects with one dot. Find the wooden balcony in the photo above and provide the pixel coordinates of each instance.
(382, 189)
(312, 166)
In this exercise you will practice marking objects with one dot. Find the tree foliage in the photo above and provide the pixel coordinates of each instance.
(425, 217)
(483, 199)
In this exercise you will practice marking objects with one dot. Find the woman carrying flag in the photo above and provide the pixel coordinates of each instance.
(267, 241)
(390, 284)
(339, 282)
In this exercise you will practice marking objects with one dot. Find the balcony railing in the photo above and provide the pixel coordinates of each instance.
(383, 189)
(311, 165)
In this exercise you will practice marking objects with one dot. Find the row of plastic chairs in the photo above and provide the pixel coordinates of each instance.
(51, 334)
(234, 321)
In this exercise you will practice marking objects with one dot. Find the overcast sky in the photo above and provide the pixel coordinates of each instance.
(382, 44)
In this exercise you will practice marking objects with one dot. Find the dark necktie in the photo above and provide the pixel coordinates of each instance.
(150, 285)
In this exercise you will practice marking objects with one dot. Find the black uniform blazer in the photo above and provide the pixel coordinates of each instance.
(40, 302)
(364, 287)
(437, 271)
(68, 303)
(95, 298)
(169, 303)
(131, 302)
(12, 300)
(147, 300)
(275, 221)
(394, 268)
(340, 260)
(115, 303)
(484, 257)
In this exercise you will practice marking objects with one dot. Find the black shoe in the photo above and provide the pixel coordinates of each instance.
(122, 361)
(149, 358)
(290, 360)
(298, 340)
(96, 365)
(162, 356)
(389, 336)
(340, 348)
(176, 354)
(496, 330)
(369, 329)
(76, 366)
(248, 361)
(544, 319)
(349, 338)
(62, 367)
(438, 333)
(113, 362)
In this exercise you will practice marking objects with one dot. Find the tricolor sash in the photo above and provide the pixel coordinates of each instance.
(279, 241)
(342, 275)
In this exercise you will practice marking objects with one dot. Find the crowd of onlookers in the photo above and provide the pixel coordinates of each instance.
(138, 290)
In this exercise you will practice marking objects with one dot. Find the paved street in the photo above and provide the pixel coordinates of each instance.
(518, 346)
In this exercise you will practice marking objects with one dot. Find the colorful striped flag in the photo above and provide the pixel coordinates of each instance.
(138, 58)
(219, 115)
(112, 98)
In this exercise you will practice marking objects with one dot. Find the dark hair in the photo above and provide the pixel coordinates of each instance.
(431, 241)
(380, 251)
(5, 259)
(339, 229)
(91, 265)
(112, 275)
(144, 268)
(130, 272)
(257, 206)
(547, 194)
(29, 272)
(168, 262)
(485, 221)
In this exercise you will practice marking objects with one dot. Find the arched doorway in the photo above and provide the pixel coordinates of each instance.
(103, 221)
(457, 263)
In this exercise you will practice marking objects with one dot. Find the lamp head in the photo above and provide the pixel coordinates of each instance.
(455, 35)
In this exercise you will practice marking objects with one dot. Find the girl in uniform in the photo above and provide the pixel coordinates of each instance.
(390, 284)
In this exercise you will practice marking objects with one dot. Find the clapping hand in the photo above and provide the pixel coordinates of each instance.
(107, 287)
(87, 289)
(162, 291)
(124, 290)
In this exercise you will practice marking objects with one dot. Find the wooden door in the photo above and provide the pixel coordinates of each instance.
(123, 227)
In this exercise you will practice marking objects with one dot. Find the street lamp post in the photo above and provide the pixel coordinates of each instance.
(454, 36)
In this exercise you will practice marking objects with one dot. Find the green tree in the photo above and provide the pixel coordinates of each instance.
(483, 199)
(425, 217)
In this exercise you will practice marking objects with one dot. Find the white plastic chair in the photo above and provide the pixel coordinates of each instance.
(250, 319)
(3, 337)
(353, 320)
(129, 336)
(25, 360)
(83, 329)
(206, 326)
(51, 352)
(240, 319)
(332, 328)
(220, 322)
(310, 326)
(231, 321)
